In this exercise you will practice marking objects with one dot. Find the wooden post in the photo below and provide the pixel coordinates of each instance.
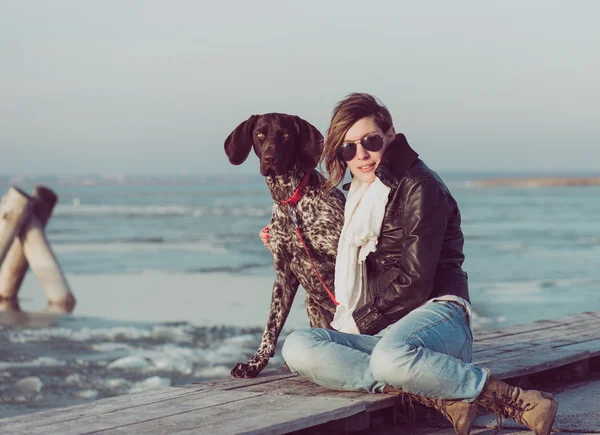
(9, 305)
(15, 209)
(44, 265)
(15, 264)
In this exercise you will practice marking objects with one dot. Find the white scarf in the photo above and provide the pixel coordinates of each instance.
(363, 216)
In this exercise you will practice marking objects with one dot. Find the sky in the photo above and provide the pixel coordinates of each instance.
(154, 87)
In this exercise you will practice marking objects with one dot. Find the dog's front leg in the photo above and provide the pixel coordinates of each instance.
(284, 290)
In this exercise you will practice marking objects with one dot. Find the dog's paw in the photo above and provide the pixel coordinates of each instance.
(244, 370)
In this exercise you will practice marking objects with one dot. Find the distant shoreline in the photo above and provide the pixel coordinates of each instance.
(537, 182)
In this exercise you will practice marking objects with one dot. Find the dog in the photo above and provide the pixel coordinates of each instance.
(289, 149)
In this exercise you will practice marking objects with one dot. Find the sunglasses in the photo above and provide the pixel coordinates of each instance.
(371, 142)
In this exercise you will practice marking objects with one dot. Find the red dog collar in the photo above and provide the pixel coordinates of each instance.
(298, 193)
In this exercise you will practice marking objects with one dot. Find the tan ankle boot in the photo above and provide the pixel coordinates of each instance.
(460, 414)
(534, 409)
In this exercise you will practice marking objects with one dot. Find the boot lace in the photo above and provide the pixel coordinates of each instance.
(506, 406)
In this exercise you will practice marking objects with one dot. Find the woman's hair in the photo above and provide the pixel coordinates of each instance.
(351, 109)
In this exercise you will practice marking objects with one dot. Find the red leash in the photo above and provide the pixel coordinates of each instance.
(316, 271)
(291, 203)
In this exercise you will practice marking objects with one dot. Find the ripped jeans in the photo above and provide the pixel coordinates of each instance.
(427, 352)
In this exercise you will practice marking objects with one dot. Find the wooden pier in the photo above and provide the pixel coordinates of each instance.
(562, 354)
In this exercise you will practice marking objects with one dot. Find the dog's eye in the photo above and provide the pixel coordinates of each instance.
(286, 135)
(260, 135)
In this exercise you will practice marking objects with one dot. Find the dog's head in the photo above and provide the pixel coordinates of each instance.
(280, 141)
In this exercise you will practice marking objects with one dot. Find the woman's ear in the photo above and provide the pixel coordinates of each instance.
(239, 142)
(391, 133)
(310, 144)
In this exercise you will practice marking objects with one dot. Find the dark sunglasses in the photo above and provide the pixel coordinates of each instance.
(371, 142)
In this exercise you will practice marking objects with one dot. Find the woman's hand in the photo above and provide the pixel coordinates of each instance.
(264, 236)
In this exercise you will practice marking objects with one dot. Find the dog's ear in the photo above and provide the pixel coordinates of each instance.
(239, 142)
(310, 144)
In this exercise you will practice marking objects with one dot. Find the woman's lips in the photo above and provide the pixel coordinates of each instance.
(366, 168)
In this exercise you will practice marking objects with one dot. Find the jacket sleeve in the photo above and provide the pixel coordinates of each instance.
(423, 225)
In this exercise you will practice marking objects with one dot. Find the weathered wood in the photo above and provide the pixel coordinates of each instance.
(534, 341)
(15, 210)
(299, 386)
(44, 265)
(10, 305)
(264, 414)
(97, 408)
(15, 264)
(545, 359)
(225, 412)
(266, 376)
(526, 337)
(559, 332)
(545, 324)
(492, 352)
(124, 418)
(282, 381)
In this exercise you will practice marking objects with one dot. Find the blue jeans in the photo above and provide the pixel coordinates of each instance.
(427, 352)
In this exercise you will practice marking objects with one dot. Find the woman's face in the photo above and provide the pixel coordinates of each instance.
(364, 163)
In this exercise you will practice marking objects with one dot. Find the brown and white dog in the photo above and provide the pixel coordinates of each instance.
(288, 148)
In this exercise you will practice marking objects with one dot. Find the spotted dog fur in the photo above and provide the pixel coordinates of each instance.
(287, 147)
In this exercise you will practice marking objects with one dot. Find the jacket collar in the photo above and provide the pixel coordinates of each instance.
(397, 159)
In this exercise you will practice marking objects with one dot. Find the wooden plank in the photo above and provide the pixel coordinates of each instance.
(589, 316)
(523, 352)
(490, 352)
(553, 341)
(301, 387)
(529, 337)
(375, 402)
(540, 337)
(544, 360)
(532, 347)
(126, 417)
(513, 356)
(99, 407)
(267, 414)
(557, 328)
(585, 344)
(537, 325)
(528, 355)
(304, 387)
(266, 376)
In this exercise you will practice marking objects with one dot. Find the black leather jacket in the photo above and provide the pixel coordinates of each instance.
(420, 248)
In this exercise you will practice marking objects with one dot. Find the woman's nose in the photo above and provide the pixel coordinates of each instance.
(361, 153)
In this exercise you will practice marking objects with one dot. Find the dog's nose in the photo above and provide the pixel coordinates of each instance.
(269, 160)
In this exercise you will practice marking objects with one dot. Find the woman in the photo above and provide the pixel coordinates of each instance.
(403, 320)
